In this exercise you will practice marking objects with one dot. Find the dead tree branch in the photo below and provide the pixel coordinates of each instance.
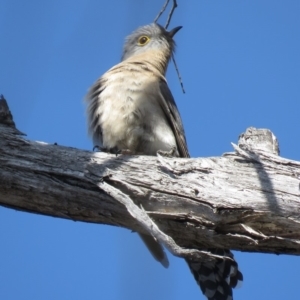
(246, 200)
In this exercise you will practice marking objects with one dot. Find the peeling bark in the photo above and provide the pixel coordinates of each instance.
(246, 200)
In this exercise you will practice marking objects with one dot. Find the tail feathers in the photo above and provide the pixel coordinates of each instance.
(155, 249)
(216, 279)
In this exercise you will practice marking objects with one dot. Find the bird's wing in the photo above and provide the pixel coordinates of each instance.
(93, 101)
(170, 109)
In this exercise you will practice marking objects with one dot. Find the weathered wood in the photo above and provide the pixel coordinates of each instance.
(245, 200)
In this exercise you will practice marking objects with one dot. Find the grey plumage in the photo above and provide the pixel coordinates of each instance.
(132, 108)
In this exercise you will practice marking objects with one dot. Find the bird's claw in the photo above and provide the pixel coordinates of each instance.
(170, 153)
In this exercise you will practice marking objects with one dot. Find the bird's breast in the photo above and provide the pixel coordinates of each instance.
(131, 115)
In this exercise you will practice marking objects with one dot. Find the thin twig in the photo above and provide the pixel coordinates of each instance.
(162, 11)
(167, 24)
(171, 13)
(178, 74)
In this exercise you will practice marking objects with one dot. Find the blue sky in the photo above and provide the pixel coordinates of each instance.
(240, 65)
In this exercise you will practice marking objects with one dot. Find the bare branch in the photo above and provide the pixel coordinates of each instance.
(5, 114)
(166, 26)
(178, 74)
(146, 222)
(239, 201)
(162, 11)
(171, 13)
(247, 200)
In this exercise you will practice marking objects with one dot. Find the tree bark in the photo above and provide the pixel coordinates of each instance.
(246, 200)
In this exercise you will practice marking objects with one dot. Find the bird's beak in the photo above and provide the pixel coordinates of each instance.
(174, 31)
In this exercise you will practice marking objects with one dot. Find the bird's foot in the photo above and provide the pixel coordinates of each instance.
(97, 148)
(126, 152)
(170, 153)
(113, 150)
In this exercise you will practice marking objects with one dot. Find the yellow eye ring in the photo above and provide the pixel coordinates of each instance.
(143, 40)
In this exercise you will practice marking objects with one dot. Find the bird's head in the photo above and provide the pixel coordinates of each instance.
(150, 37)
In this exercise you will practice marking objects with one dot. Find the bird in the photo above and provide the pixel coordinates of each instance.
(130, 109)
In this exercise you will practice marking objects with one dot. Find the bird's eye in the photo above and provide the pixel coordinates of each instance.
(143, 40)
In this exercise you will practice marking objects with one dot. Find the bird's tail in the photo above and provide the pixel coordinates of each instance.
(155, 249)
(216, 279)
